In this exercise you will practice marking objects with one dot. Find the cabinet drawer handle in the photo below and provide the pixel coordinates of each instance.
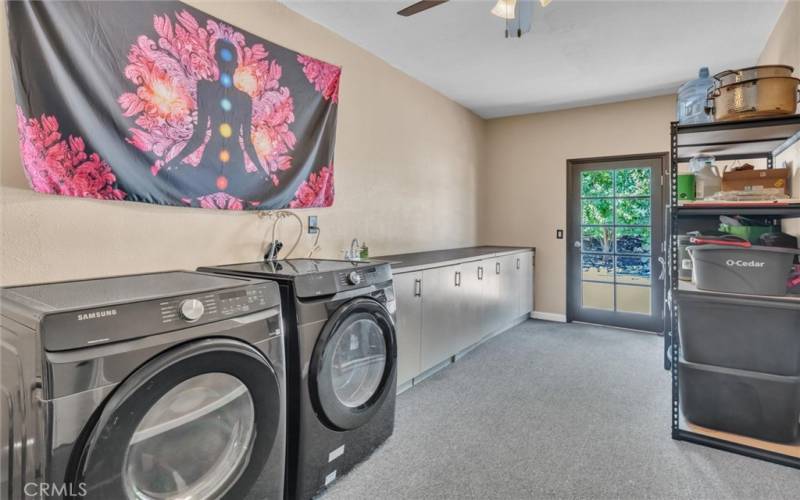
(480, 272)
(518, 262)
(458, 278)
(417, 287)
(497, 268)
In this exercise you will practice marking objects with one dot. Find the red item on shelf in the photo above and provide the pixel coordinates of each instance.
(738, 242)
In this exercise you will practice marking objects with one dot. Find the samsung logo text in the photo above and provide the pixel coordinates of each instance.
(97, 314)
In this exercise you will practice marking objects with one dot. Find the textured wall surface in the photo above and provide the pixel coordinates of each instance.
(407, 162)
(783, 47)
(524, 187)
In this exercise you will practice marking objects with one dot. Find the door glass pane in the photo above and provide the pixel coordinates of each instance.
(633, 270)
(194, 442)
(597, 267)
(598, 239)
(597, 211)
(632, 182)
(359, 358)
(616, 239)
(633, 240)
(633, 299)
(633, 211)
(597, 295)
(597, 183)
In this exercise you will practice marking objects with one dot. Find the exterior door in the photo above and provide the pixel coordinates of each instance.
(353, 367)
(198, 421)
(616, 234)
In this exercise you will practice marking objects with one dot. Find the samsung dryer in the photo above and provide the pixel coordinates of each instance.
(341, 363)
(164, 385)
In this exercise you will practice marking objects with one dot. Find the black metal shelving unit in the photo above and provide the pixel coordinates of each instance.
(727, 141)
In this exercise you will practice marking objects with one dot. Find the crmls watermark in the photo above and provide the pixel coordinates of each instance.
(55, 490)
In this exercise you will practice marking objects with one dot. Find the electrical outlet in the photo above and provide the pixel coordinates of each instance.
(313, 227)
(559, 234)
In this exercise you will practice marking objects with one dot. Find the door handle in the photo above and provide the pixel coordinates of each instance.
(480, 273)
(663, 272)
(577, 244)
(417, 287)
(497, 268)
(518, 262)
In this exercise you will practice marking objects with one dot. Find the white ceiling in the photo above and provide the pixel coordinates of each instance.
(578, 52)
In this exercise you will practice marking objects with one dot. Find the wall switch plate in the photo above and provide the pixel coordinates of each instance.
(559, 234)
(313, 227)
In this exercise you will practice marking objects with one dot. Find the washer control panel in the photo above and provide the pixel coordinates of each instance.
(80, 328)
(215, 305)
(242, 301)
(191, 310)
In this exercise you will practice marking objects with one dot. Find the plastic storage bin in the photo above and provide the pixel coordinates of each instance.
(752, 404)
(756, 270)
(755, 334)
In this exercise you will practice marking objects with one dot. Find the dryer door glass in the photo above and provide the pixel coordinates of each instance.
(194, 442)
(353, 364)
(359, 358)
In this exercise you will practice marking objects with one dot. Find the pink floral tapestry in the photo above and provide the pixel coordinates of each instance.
(158, 102)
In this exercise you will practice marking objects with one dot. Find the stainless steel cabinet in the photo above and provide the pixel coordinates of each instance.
(522, 283)
(443, 310)
(470, 292)
(525, 275)
(508, 289)
(490, 316)
(441, 315)
(408, 293)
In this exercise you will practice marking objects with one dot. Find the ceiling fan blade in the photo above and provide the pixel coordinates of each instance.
(418, 7)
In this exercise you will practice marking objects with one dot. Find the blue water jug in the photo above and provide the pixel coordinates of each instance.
(692, 98)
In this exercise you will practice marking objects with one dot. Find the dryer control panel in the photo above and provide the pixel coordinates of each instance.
(361, 275)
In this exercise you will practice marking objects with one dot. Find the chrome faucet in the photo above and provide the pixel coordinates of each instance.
(354, 252)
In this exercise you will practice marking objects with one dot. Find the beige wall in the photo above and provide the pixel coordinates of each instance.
(523, 197)
(783, 47)
(407, 163)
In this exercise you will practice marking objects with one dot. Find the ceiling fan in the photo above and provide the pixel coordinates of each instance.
(517, 13)
(503, 8)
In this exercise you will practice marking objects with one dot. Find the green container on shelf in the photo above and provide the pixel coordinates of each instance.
(686, 187)
(750, 233)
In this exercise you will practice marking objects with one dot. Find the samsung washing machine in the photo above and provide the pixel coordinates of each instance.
(164, 385)
(341, 363)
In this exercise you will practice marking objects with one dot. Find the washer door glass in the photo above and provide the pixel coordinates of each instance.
(194, 442)
(359, 359)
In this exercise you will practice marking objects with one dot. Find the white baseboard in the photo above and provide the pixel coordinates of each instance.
(560, 318)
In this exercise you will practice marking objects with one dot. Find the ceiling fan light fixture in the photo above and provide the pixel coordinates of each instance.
(504, 9)
(545, 3)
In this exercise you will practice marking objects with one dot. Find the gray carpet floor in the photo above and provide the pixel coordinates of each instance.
(549, 410)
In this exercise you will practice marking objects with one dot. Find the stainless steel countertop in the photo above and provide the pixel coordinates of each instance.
(408, 262)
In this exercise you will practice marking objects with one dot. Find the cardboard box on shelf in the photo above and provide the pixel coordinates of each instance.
(751, 180)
